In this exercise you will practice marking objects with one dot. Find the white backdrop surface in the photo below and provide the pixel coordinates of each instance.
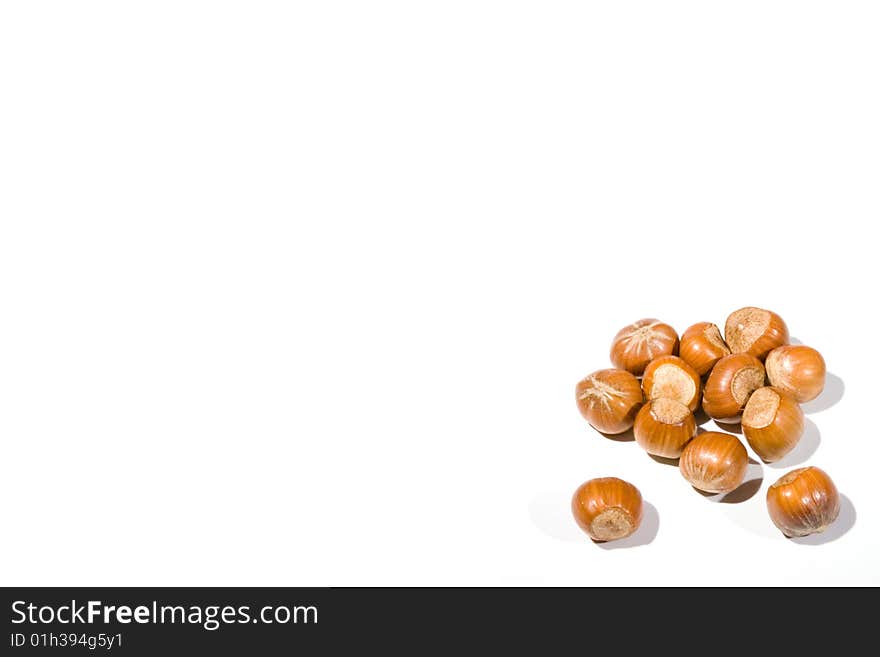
(298, 293)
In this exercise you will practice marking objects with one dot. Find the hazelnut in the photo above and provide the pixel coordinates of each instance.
(702, 346)
(673, 378)
(638, 344)
(804, 501)
(798, 370)
(772, 422)
(729, 385)
(663, 427)
(714, 462)
(607, 508)
(754, 331)
(609, 400)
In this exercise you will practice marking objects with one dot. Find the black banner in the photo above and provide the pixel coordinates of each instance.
(170, 621)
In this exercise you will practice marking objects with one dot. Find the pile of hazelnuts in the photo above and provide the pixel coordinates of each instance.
(752, 377)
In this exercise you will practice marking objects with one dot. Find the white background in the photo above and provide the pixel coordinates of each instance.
(297, 293)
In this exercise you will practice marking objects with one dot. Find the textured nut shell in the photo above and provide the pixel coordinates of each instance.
(663, 427)
(729, 385)
(607, 508)
(714, 462)
(755, 331)
(772, 422)
(609, 400)
(673, 378)
(798, 370)
(702, 346)
(638, 344)
(804, 501)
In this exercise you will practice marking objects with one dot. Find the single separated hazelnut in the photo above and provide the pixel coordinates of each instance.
(607, 508)
(804, 501)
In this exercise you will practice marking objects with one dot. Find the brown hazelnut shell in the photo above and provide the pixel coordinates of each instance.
(638, 344)
(663, 427)
(714, 462)
(609, 400)
(607, 508)
(798, 370)
(729, 385)
(772, 422)
(754, 331)
(702, 346)
(803, 501)
(672, 377)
